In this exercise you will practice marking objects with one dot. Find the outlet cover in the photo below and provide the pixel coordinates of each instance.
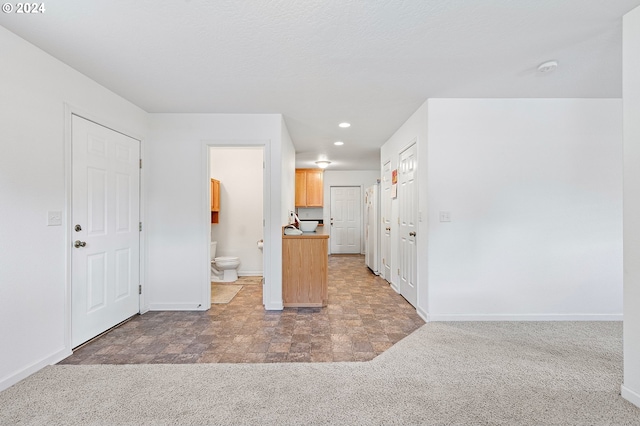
(54, 218)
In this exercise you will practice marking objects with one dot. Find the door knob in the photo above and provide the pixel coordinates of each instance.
(78, 228)
(388, 229)
(79, 244)
(412, 234)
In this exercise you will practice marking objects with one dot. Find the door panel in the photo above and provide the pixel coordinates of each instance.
(105, 204)
(345, 219)
(385, 243)
(407, 195)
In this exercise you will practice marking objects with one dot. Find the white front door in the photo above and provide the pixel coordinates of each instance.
(385, 243)
(105, 261)
(346, 204)
(408, 208)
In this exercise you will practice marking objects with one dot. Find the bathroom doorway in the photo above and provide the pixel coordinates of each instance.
(237, 199)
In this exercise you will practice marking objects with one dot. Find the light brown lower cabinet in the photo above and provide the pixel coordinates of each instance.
(305, 266)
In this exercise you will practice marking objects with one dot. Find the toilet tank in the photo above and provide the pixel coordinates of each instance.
(214, 244)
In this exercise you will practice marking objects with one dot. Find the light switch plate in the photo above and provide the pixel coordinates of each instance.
(445, 216)
(54, 218)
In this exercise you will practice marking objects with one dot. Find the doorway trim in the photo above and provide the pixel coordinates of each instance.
(206, 213)
(69, 111)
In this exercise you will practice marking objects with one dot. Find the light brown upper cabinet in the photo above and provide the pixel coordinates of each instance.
(215, 200)
(309, 190)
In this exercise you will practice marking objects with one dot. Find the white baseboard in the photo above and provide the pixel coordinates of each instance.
(14, 378)
(274, 306)
(250, 273)
(423, 314)
(631, 396)
(525, 317)
(395, 287)
(177, 307)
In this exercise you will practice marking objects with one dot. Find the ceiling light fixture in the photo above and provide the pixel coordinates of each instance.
(338, 143)
(323, 163)
(547, 67)
(344, 125)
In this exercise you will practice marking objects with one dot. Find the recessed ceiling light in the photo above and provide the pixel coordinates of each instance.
(344, 125)
(323, 163)
(338, 143)
(548, 66)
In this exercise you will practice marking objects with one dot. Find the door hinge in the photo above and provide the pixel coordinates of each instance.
(398, 271)
(140, 226)
(140, 289)
(141, 163)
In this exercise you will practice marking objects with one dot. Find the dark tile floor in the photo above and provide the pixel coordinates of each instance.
(364, 317)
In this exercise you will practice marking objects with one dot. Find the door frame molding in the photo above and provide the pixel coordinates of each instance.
(69, 111)
(412, 142)
(361, 208)
(265, 144)
(383, 274)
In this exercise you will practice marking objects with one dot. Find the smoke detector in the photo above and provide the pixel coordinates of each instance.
(547, 67)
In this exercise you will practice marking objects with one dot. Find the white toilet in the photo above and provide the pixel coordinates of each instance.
(223, 269)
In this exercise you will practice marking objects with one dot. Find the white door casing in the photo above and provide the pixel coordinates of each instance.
(346, 203)
(408, 202)
(105, 259)
(385, 243)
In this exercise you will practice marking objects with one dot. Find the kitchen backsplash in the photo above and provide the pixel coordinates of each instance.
(309, 213)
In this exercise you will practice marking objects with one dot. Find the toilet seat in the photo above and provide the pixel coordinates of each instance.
(226, 262)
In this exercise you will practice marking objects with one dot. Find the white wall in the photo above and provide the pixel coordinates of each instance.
(631, 118)
(534, 188)
(287, 175)
(177, 231)
(362, 178)
(288, 167)
(414, 130)
(239, 171)
(34, 88)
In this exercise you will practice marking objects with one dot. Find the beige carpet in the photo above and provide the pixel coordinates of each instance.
(224, 293)
(516, 373)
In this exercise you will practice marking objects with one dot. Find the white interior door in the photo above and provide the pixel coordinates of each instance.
(105, 261)
(346, 206)
(407, 196)
(371, 228)
(385, 243)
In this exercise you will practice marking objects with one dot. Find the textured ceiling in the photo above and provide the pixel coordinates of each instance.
(320, 62)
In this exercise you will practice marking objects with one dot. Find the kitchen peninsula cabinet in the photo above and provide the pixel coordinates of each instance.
(305, 264)
(309, 189)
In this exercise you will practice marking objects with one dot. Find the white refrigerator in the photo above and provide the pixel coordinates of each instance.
(372, 228)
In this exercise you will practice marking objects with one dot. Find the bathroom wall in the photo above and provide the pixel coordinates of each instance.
(240, 172)
(178, 233)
